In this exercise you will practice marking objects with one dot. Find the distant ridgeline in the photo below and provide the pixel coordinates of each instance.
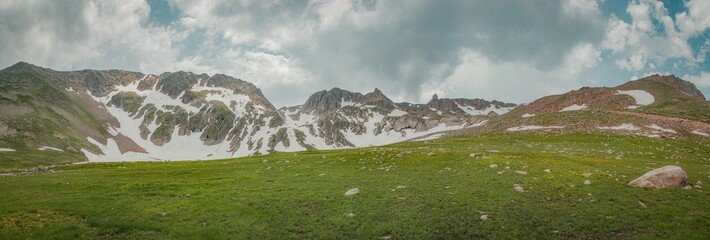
(119, 115)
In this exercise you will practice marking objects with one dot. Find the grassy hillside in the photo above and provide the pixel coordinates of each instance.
(301, 195)
(38, 114)
(670, 101)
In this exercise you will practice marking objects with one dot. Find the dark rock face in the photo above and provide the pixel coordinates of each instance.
(173, 84)
(376, 98)
(327, 101)
(240, 87)
(128, 101)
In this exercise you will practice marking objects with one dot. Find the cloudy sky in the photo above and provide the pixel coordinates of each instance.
(514, 51)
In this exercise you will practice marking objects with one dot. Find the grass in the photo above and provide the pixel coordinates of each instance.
(301, 195)
(23, 159)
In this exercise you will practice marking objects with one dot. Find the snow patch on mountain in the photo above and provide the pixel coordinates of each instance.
(656, 127)
(397, 113)
(44, 148)
(178, 148)
(159, 99)
(574, 107)
(698, 132)
(226, 96)
(470, 110)
(430, 137)
(532, 127)
(623, 126)
(642, 97)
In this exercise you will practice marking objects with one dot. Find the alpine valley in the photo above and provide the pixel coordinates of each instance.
(345, 165)
(119, 115)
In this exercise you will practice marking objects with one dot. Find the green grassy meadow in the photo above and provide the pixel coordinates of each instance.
(404, 193)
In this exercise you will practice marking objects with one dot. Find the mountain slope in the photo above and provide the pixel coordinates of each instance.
(120, 115)
(117, 115)
(654, 106)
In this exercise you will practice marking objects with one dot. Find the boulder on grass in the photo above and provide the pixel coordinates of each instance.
(665, 177)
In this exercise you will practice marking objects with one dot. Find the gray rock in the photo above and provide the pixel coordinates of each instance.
(521, 172)
(352, 192)
(665, 177)
(547, 171)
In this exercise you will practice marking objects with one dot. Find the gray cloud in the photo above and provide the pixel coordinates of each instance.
(291, 49)
(425, 43)
(401, 45)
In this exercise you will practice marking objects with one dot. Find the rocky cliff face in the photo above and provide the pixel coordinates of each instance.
(120, 115)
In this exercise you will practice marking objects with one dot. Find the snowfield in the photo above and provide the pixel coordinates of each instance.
(642, 97)
(698, 132)
(656, 127)
(397, 113)
(624, 126)
(473, 111)
(532, 127)
(44, 148)
(430, 137)
(574, 107)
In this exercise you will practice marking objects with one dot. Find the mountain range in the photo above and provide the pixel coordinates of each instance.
(116, 115)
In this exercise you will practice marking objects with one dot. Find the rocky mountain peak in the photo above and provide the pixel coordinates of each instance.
(19, 66)
(378, 99)
(377, 91)
(327, 101)
(682, 85)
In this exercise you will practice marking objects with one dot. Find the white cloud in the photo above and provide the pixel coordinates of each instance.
(330, 13)
(514, 81)
(701, 80)
(639, 44)
(581, 57)
(633, 63)
(616, 34)
(84, 34)
(409, 49)
(698, 15)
